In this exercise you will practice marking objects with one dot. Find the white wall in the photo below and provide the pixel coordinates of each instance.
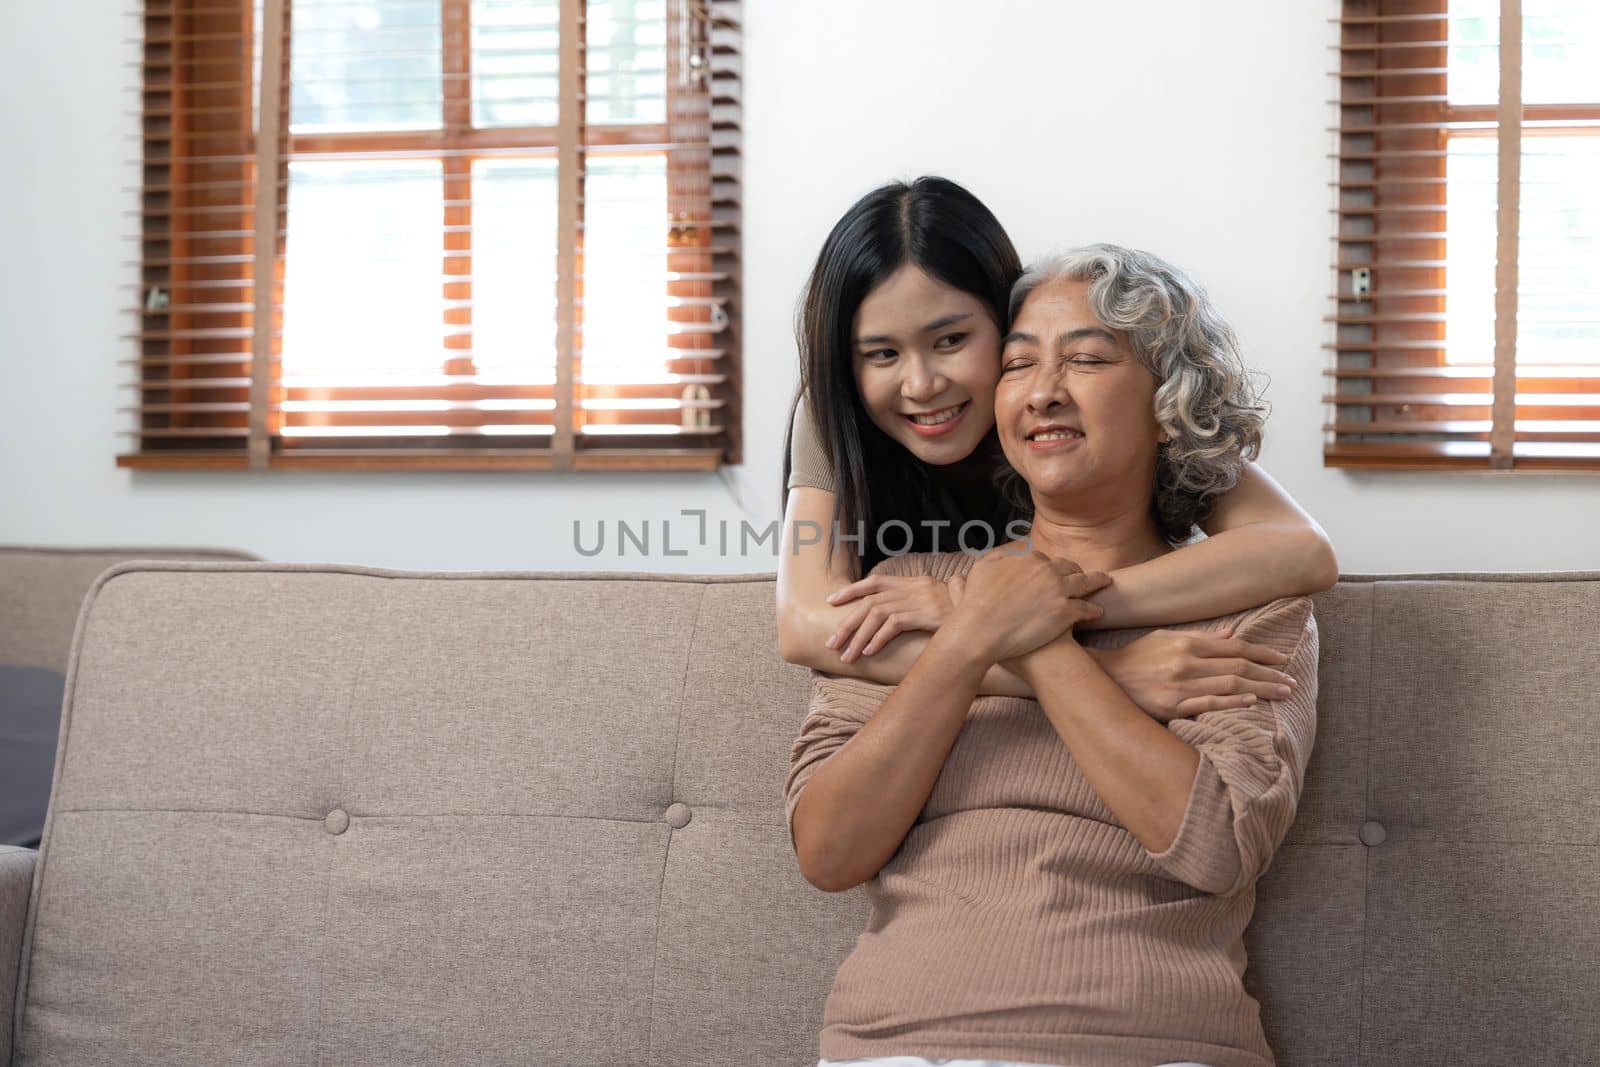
(1194, 130)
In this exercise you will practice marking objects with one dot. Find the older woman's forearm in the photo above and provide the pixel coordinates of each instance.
(858, 807)
(1139, 768)
(893, 664)
(1234, 570)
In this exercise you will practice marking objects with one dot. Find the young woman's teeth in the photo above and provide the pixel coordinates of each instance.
(937, 417)
(1057, 435)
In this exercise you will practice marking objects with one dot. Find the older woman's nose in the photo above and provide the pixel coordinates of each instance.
(1047, 390)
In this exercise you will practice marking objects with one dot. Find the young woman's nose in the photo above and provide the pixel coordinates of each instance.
(922, 382)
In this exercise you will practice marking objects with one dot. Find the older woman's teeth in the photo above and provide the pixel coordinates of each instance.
(1057, 435)
(937, 417)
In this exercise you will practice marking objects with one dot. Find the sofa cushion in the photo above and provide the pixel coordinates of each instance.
(499, 757)
(30, 712)
(16, 883)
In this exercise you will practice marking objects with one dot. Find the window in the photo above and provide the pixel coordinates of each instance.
(1467, 329)
(438, 234)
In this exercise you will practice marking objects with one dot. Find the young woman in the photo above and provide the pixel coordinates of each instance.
(892, 448)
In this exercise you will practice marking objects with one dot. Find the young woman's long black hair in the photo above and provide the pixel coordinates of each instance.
(940, 227)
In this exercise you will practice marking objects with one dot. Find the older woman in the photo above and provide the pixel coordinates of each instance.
(1064, 882)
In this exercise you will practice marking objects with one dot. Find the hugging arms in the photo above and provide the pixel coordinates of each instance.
(1208, 796)
(1260, 546)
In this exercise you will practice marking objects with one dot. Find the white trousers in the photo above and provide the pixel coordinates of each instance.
(918, 1061)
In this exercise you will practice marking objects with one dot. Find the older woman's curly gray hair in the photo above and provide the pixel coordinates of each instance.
(1204, 401)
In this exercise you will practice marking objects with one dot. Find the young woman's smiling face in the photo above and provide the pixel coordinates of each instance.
(927, 357)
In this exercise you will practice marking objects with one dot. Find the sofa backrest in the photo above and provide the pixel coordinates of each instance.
(41, 590)
(311, 813)
(42, 587)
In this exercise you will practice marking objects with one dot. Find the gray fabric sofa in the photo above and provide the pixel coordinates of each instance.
(41, 589)
(329, 815)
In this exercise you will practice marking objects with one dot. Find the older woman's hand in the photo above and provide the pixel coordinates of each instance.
(1013, 601)
(1173, 674)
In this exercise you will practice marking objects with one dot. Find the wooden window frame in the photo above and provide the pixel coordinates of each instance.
(182, 398)
(1395, 126)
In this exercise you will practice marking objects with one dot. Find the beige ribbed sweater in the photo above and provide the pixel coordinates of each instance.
(1020, 920)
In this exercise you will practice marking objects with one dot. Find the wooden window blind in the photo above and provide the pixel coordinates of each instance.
(1467, 322)
(448, 234)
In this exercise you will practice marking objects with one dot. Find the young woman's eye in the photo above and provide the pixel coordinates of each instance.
(879, 355)
(950, 340)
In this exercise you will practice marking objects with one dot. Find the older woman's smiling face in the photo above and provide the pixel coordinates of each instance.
(1075, 406)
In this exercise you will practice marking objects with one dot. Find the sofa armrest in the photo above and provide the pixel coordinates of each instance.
(16, 884)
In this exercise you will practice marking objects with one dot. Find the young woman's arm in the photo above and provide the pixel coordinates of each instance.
(1167, 681)
(806, 620)
(1259, 546)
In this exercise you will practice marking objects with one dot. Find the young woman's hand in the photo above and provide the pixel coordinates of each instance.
(1013, 601)
(887, 605)
(1173, 674)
